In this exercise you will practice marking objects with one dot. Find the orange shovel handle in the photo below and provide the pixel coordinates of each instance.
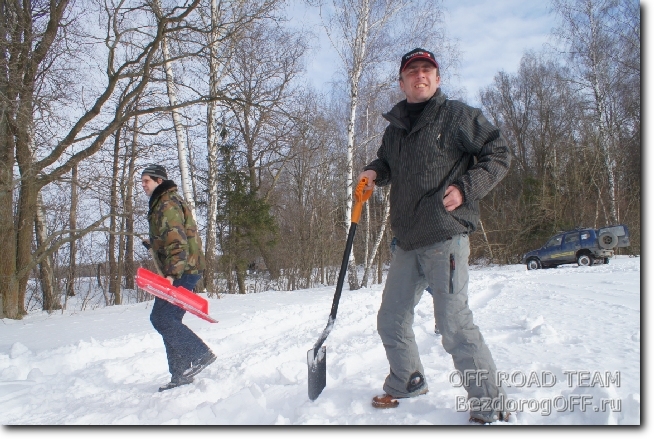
(360, 197)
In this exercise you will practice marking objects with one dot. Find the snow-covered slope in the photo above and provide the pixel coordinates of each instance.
(565, 338)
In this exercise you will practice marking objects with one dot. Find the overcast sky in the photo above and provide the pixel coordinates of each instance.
(492, 36)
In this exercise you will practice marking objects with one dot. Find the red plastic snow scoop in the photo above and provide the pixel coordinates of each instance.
(179, 296)
(316, 356)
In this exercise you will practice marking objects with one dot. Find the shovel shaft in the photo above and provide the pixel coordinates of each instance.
(339, 290)
(343, 271)
(316, 359)
(360, 197)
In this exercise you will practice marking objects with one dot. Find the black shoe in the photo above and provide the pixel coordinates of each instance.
(176, 382)
(198, 365)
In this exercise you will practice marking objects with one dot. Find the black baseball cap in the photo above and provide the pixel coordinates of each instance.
(156, 171)
(417, 54)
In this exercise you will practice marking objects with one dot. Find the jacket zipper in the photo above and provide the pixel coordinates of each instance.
(452, 268)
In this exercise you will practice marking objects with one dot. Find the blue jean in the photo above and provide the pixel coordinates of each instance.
(182, 345)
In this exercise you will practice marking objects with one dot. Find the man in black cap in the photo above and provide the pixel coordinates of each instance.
(440, 157)
(177, 250)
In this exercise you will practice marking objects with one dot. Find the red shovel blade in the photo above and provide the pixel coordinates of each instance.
(179, 296)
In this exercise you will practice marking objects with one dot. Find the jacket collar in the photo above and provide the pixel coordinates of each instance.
(399, 116)
(158, 192)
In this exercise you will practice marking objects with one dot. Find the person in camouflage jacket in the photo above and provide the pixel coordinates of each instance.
(173, 233)
(177, 248)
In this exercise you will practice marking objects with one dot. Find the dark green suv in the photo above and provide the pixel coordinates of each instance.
(583, 245)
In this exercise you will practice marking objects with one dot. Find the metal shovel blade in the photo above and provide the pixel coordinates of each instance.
(317, 371)
(316, 356)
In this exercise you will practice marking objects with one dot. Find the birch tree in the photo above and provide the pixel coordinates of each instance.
(180, 137)
(212, 145)
(592, 31)
(380, 235)
(227, 21)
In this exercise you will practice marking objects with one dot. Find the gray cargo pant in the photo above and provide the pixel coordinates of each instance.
(444, 267)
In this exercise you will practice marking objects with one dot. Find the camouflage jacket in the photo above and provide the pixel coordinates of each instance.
(173, 233)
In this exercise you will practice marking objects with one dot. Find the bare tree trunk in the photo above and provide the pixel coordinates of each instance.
(28, 194)
(380, 236)
(366, 239)
(212, 151)
(182, 147)
(129, 210)
(118, 297)
(240, 279)
(27, 202)
(9, 285)
(380, 264)
(483, 231)
(603, 141)
(113, 211)
(212, 207)
(602, 116)
(50, 299)
(358, 56)
(600, 201)
(72, 225)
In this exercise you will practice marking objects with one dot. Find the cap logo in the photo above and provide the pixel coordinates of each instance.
(417, 54)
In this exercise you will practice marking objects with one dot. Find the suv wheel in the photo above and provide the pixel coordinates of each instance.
(533, 264)
(585, 260)
(607, 240)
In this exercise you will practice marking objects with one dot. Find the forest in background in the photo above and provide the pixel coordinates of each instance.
(91, 92)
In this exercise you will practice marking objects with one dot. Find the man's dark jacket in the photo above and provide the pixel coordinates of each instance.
(450, 144)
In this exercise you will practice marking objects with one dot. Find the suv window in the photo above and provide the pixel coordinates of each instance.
(554, 241)
(585, 235)
(616, 230)
(573, 237)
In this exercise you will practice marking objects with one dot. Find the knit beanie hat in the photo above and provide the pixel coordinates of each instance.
(156, 171)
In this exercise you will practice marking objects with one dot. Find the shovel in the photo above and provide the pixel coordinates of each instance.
(316, 356)
(157, 285)
(179, 296)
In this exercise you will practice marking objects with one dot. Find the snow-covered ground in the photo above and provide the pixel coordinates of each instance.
(566, 340)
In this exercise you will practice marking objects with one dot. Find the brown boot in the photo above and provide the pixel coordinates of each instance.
(387, 401)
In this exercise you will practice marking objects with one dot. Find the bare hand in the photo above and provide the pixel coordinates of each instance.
(370, 175)
(170, 279)
(453, 198)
